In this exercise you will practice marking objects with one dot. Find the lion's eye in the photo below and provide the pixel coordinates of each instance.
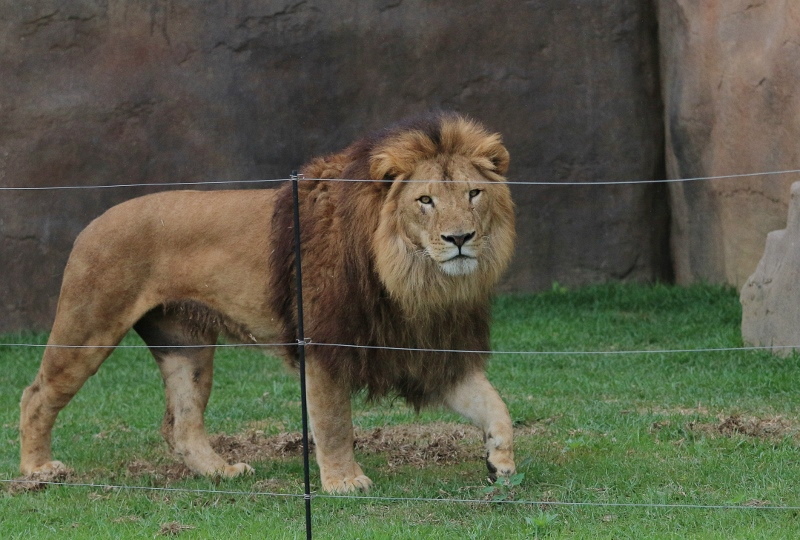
(474, 193)
(425, 200)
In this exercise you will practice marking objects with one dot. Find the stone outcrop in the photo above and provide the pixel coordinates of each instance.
(771, 296)
(729, 75)
(131, 91)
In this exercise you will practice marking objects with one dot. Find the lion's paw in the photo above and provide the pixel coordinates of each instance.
(347, 485)
(239, 469)
(48, 471)
(39, 477)
(500, 467)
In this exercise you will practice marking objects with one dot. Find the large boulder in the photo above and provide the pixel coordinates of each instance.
(99, 92)
(771, 296)
(729, 75)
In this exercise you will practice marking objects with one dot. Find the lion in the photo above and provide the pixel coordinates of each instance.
(404, 260)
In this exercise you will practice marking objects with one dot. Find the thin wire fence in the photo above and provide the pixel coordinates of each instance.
(311, 342)
(156, 185)
(513, 183)
(372, 498)
(301, 343)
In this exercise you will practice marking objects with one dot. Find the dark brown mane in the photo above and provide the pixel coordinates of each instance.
(345, 301)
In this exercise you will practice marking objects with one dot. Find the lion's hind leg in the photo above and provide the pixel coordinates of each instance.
(185, 357)
(71, 357)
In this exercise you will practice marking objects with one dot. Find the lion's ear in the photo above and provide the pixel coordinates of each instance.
(491, 155)
(501, 160)
(381, 167)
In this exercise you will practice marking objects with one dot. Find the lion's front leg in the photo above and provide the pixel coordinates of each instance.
(331, 422)
(476, 399)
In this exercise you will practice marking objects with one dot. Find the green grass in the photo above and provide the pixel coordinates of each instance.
(601, 429)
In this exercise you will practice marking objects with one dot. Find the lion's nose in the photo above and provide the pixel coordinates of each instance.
(459, 239)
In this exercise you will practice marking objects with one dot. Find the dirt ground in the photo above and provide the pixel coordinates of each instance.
(769, 428)
(409, 444)
(412, 444)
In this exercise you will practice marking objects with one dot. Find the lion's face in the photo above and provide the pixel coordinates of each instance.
(447, 220)
(446, 232)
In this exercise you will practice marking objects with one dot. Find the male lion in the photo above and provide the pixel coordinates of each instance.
(406, 260)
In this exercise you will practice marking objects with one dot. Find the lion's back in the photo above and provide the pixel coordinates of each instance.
(159, 241)
(173, 218)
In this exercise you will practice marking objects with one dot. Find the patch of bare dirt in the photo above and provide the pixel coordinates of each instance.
(39, 480)
(174, 528)
(439, 443)
(246, 447)
(413, 444)
(419, 444)
(167, 471)
(673, 411)
(769, 428)
(254, 446)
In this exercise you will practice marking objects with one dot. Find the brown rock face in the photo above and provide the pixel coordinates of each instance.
(729, 73)
(124, 91)
(771, 298)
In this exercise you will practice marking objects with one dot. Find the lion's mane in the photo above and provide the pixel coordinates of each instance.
(346, 301)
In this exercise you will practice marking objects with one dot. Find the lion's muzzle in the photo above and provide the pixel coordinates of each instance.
(458, 239)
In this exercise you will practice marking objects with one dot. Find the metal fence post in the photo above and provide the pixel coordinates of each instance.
(301, 347)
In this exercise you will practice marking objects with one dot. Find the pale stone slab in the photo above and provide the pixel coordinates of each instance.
(771, 296)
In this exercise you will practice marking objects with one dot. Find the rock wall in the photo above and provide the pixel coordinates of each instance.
(771, 298)
(729, 73)
(97, 92)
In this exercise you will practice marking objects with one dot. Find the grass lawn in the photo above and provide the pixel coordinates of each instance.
(678, 433)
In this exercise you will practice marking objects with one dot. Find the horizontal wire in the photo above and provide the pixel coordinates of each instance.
(543, 353)
(585, 183)
(213, 346)
(148, 488)
(511, 182)
(407, 499)
(564, 503)
(156, 185)
(310, 342)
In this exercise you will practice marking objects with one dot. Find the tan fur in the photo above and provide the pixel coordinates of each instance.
(399, 264)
